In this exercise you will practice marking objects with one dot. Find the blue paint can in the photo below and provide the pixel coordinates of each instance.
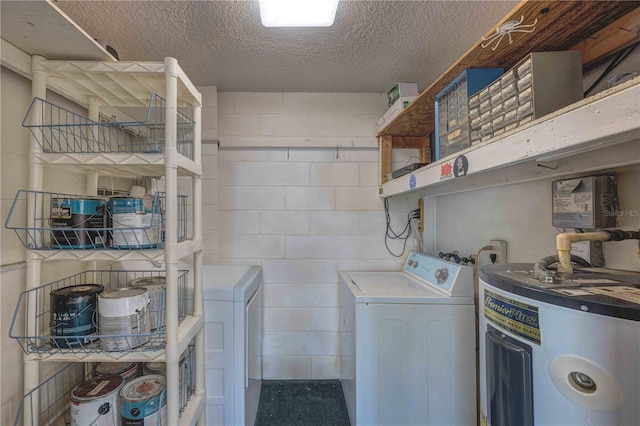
(77, 218)
(143, 401)
(72, 314)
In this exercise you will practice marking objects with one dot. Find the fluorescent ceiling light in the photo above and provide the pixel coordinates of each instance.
(298, 13)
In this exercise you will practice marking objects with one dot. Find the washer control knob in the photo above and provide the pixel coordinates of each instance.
(415, 264)
(441, 275)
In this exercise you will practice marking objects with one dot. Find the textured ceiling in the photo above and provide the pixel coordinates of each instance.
(372, 44)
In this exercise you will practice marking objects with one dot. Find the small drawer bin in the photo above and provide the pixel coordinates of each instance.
(495, 87)
(525, 96)
(510, 117)
(474, 113)
(496, 99)
(452, 103)
(485, 106)
(525, 109)
(453, 123)
(498, 132)
(484, 94)
(510, 127)
(474, 101)
(524, 68)
(507, 78)
(498, 122)
(525, 120)
(497, 110)
(486, 138)
(524, 82)
(476, 135)
(485, 117)
(476, 123)
(487, 129)
(454, 141)
(509, 90)
(510, 104)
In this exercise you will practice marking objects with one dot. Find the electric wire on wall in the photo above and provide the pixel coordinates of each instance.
(403, 235)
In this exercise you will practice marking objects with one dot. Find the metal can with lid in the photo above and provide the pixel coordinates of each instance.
(156, 287)
(143, 401)
(95, 401)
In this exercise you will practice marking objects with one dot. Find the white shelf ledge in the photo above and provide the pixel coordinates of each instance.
(127, 164)
(183, 249)
(186, 332)
(608, 118)
(193, 410)
(119, 84)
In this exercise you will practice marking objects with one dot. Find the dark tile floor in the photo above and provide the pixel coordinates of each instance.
(302, 403)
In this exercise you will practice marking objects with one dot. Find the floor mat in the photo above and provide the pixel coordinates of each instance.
(302, 403)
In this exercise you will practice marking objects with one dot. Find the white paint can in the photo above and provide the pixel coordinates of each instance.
(95, 401)
(143, 401)
(156, 287)
(123, 318)
(132, 225)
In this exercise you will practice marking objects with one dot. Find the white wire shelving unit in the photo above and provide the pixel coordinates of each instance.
(94, 147)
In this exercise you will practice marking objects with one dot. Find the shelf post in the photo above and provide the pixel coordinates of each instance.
(33, 264)
(198, 298)
(171, 241)
(386, 159)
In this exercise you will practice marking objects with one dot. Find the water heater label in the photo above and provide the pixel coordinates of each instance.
(516, 317)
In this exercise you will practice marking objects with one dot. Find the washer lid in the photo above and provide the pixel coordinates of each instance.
(395, 287)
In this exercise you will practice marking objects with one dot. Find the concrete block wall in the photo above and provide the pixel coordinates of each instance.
(303, 214)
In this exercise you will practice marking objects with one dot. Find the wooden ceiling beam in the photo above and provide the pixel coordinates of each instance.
(614, 37)
(560, 25)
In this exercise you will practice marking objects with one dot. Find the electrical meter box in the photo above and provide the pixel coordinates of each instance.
(589, 202)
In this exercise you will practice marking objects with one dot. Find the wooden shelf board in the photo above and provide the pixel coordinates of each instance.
(565, 24)
(608, 118)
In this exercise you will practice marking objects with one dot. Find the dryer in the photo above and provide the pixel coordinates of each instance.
(407, 344)
(559, 353)
(233, 343)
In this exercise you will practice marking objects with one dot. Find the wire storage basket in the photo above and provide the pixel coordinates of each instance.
(97, 311)
(55, 221)
(50, 403)
(63, 131)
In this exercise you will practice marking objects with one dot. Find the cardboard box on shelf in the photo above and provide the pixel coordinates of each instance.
(394, 110)
(401, 90)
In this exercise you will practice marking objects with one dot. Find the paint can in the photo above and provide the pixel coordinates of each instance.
(132, 225)
(156, 287)
(76, 217)
(123, 318)
(72, 314)
(128, 371)
(186, 375)
(186, 381)
(143, 401)
(95, 401)
(154, 368)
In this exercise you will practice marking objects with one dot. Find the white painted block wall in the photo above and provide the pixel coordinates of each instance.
(521, 215)
(303, 214)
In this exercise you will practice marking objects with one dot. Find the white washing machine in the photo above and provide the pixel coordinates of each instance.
(407, 344)
(233, 343)
(563, 353)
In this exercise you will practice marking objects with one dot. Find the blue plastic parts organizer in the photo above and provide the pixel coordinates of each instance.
(452, 132)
